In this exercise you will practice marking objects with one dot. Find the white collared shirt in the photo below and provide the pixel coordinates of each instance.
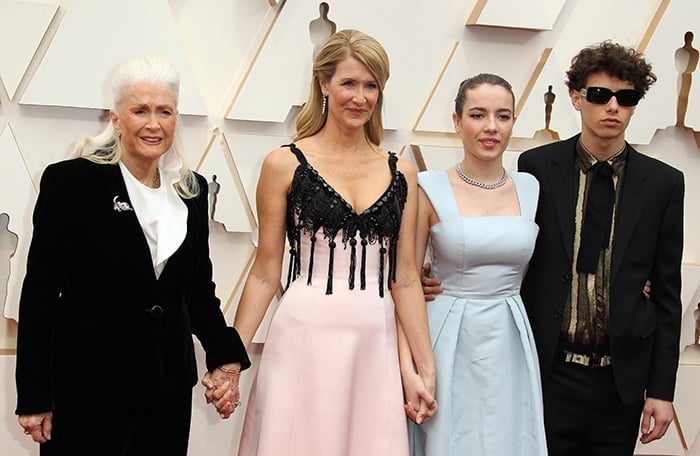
(160, 211)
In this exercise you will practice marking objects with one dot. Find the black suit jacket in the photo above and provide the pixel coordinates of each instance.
(88, 328)
(647, 244)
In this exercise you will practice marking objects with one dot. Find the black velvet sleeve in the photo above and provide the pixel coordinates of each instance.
(39, 300)
(220, 341)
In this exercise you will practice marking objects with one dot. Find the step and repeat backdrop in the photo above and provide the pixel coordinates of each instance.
(245, 68)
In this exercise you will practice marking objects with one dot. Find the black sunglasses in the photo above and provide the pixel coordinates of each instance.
(601, 95)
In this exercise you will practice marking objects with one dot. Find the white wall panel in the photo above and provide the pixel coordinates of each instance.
(56, 57)
(658, 109)
(22, 26)
(564, 120)
(94, 36)
(526, 14)
(19, 196)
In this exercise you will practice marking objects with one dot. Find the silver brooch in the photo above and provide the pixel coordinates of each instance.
(121, 206)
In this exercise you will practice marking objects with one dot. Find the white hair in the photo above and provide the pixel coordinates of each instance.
(104, 148)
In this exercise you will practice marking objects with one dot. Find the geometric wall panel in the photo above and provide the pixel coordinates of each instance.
(22, 26)
(217, 35)
(690, 297)
(249, 151)
(531, 117)
(16, 181)
(432, 157)
(437, 114)
(8, 247)
(76, 73)
(658, 109)
(278, 78)
(281, 69)
(227, 195)
(524, 14)
(687, 412)
(231, 255)
(86, 38)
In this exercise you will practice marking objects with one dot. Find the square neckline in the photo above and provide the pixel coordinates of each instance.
(456, 205)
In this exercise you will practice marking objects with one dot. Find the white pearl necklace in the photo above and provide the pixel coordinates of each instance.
(476, 183)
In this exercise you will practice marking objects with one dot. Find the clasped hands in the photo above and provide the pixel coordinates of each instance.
(222, 388)
(419, 396)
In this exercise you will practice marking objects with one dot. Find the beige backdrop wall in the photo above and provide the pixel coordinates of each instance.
(245, 68)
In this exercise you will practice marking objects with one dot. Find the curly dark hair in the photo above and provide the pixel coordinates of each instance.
(618, 61)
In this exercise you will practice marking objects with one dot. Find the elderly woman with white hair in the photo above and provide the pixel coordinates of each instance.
(118, 279)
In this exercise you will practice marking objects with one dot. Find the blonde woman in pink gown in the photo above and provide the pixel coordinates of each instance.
(329, 381)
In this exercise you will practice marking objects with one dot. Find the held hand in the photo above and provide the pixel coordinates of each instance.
(431, 285)
(420, 404)
(222, 388)
(647, 289)
(37, 426)
(656, 418)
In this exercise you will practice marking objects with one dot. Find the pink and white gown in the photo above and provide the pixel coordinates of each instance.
(329, 381)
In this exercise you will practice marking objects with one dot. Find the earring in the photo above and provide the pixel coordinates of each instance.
(324, 104)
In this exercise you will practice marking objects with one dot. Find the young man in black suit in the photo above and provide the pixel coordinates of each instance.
(610, 218)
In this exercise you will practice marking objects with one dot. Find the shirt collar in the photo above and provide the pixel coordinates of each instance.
(585, 159)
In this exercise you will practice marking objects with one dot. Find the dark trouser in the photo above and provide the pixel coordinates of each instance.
(102, 427)
(583, 413)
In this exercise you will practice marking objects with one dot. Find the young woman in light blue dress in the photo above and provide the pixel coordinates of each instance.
(476, 221)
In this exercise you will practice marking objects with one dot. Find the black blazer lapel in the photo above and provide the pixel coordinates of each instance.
(126, 222)
(631, 204)
(563, 194)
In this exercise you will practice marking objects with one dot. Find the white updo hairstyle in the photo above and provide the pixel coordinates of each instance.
(104, 148)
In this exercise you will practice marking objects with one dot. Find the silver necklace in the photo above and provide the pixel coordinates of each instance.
(476, 183)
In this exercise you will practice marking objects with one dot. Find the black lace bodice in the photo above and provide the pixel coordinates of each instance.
(315, 208)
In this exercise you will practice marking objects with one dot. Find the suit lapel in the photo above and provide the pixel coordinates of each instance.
(630, 207)
(182, 258)
(563, 193)
(126, 223)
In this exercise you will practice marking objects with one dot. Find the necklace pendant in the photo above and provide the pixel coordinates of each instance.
(156, 179)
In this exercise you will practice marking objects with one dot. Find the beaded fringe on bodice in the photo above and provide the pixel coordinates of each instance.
(315, 209)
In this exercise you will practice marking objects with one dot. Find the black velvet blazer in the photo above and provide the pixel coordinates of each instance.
(647, 244)
(94, 322)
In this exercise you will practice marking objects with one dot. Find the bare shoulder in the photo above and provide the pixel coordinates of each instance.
(278, 169)
(280, 160)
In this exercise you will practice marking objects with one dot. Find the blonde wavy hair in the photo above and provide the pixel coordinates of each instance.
(343, 44)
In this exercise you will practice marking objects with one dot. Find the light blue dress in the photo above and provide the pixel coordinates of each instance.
(488, 383)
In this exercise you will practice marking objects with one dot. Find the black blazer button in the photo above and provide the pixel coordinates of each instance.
(557, 314)
(155, 311)
(565, 278)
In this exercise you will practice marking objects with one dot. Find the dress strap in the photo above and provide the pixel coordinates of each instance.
(296, 151)
(528, 190)
(392, 161)
(436, 184)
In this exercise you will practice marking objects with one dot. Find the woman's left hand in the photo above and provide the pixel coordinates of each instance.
(222, 388)
(420, 404)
